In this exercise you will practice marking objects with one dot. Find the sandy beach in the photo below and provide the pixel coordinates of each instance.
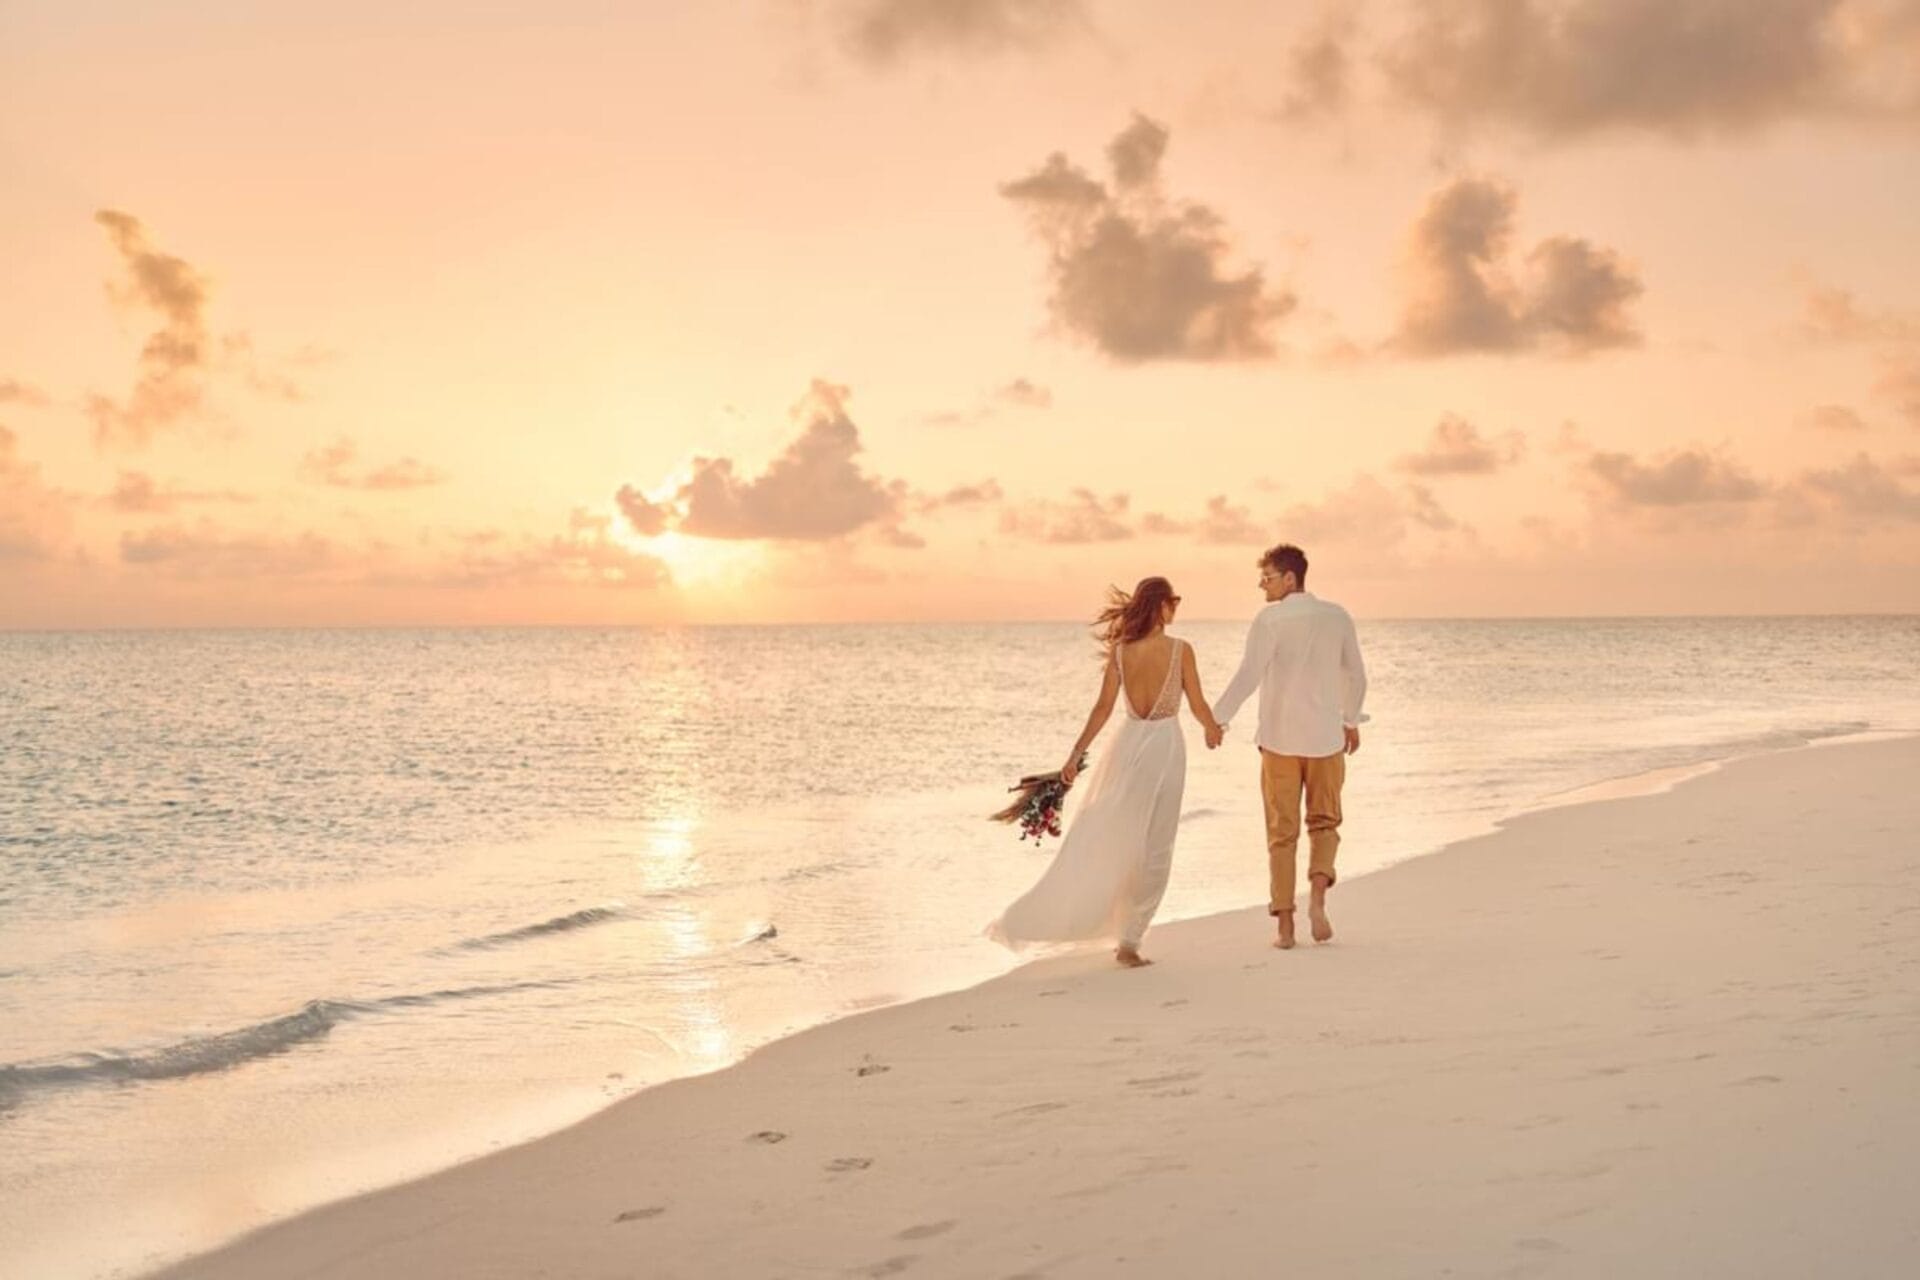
(1673, 1035)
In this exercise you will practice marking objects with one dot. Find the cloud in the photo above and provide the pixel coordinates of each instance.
(1833, 315)
(1366, 525)
(1899, 384)
(1025, 395)
(332, 465)
(13, 391)
(1456, 447)
(136, 493)
(1220, 523)
(1681, 479)
(1560, 69)
(648, 519)
(33, 517)
(1836, 418)
(1138, 275)
(1461, 298)
(1425, 510)
(175, 356)
(1020, 393)
(984, 494)
(883, 33)
(206, 552)
(1864, 490)
(813, 491)
(585, 555)
(1320, 70)
(180, 356)
(1365, 519)
(237, 349)
(1084, 517)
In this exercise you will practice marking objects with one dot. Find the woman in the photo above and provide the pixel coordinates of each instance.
(1107, 879)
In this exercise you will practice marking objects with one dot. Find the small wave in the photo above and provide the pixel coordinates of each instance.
(559, 924)
(461, 993)
(192, 1056)
(199, 1055)
(812, 871)
(1664, 769)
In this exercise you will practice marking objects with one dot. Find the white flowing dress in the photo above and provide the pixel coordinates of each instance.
(1107, 879)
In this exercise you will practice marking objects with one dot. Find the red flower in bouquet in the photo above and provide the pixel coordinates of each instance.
(1037, 804)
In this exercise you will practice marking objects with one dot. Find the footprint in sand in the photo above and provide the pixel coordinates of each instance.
(767, 1135)
(871, 1069)
(892, 1266)
(1170, 1004)
(640, 1215)
(1759, 1080)
(1033, 1109)
(849, 1164)
(1152, 1082)
(928, 1230)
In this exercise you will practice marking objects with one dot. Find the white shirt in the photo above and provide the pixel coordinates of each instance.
(1304, 657)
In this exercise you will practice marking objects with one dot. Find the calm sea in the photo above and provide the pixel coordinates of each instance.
(284, 915)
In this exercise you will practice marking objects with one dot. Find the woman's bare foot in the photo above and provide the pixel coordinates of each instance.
(1285, 920)
(1131, 958)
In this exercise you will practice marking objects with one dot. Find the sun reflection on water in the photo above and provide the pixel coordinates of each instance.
(668, 862)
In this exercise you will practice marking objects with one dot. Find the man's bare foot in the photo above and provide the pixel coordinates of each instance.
(1131, 958)
(1322, 927)
(1285, 941)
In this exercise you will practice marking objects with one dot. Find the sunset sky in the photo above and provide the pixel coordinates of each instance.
(778, 310)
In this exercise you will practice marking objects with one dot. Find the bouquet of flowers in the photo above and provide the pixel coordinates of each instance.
(1036, 804)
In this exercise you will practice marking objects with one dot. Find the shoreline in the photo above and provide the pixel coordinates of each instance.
(165, 1228)
(1077, 966)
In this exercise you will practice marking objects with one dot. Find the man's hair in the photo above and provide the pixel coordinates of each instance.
(1283, 558)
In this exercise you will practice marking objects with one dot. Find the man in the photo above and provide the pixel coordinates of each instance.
(1303, 656)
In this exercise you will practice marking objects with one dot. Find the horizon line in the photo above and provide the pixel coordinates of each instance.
(913, 622)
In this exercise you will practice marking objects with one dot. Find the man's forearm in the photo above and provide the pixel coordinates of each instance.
(1240, 688)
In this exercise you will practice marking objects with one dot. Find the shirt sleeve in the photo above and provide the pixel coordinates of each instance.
(1252, 666)
(1354, 671)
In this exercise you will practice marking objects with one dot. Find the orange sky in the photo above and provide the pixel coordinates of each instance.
(898, 309)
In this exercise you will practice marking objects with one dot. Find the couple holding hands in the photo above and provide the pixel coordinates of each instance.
(1303, 657)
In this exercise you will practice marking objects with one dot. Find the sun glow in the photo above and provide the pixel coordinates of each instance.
(698, 562)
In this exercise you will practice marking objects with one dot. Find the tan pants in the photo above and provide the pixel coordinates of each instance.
(1283, 780)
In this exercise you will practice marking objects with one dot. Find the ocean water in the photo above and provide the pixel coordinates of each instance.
(285, 915)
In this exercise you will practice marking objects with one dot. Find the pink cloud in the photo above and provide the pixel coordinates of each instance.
(1137, 274)
(333, 465)
(1463, 295)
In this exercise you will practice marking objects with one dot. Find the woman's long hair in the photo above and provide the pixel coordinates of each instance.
(1131, 615)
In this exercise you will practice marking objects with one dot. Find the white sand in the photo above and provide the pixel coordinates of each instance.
(1669, 1036)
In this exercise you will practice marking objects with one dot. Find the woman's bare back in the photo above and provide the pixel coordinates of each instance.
(1144, 664)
